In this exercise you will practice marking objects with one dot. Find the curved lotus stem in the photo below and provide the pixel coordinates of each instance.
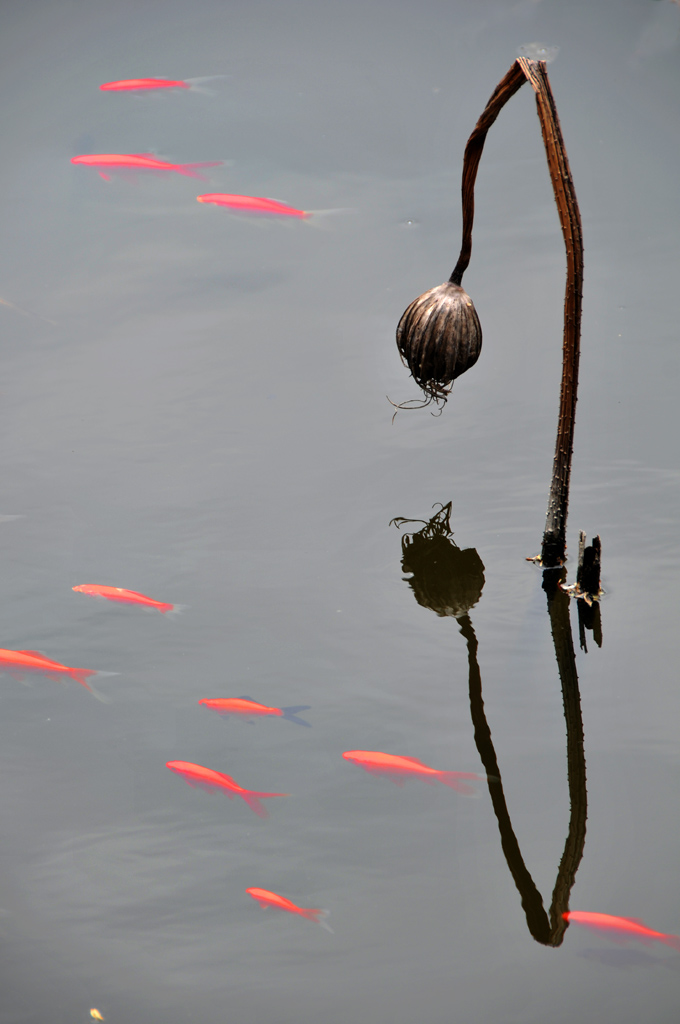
(553, 550)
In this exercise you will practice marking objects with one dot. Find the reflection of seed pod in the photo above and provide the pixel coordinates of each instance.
(439, 337)
(444, 578)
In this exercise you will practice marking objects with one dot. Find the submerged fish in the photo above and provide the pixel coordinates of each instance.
(268, 899)
(399, 768)
(143, 85)
(117, 162)
(210, 781)
(156, 84)
(253, 204)
(95, 1014)
(123, 596)
(621, 929)
(244, 707)
(18, 663)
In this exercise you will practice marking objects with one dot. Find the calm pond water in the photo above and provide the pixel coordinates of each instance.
(194, 407)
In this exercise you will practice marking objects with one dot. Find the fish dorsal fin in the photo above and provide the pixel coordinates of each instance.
(38, 654)
(634, 920)
(227, 778)
(146, 156)
(415, 760)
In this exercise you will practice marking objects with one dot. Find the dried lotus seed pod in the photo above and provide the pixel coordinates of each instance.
(439, 337)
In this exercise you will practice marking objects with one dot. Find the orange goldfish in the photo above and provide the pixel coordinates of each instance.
(143, 85)
(139, 85)
(17, 663)
(123, 596)
(245, 707)
(268, 899)
(210, 781)
(116, 162)
(621, 929)
(253, 204)
(399, 768)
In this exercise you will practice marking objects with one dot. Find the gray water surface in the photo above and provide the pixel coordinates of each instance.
(193, 406)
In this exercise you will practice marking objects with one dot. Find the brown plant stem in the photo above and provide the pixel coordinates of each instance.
(553, 549)
(504, 91)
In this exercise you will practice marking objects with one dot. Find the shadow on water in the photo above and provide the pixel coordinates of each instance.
(449, 581)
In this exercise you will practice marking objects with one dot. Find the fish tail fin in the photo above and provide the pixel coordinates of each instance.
(194, 82)
(81, 675)
(319, 916)
(671, 940)
(325, 218)
(99, 696)
(291, 714)
(173, 609)
(199, 84)
(455, 781)
(190, 169)
(255, 805)
(253, 799)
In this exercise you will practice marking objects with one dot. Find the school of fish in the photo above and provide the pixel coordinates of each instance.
(398, 768)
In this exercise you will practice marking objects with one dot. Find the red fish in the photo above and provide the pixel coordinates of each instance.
(17, 663)
(143, 85)
(139, 85)
(253, 204)
(621, 929)
(247, 708)
(123, 596)
(268, 899)
(399, 768)
(116, 162)
(210, 781)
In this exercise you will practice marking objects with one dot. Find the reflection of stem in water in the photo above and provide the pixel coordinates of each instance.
(548, 931)
(532, 901)
(560, 625)
(449, 581)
